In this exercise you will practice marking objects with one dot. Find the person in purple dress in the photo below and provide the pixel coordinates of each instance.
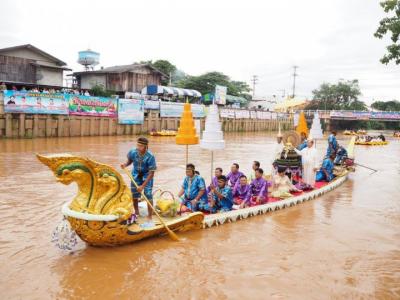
(214, 181)
(234, 175)
(259, 189)
(242, 192)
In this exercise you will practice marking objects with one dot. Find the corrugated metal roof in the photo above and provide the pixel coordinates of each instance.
(123, 69)
(33, 48)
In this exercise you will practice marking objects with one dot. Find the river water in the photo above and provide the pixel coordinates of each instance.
(343, 245)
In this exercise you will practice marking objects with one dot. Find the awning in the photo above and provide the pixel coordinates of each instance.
(289, 103)
(169, 90)
(235, 99)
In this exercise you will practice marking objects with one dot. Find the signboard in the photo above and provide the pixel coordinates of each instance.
(130, 111)
(151, 104)
(253, 114)
(35, 103)
(92, 106)
(174, 110)
(227, 113)
(359, 115)
(385, 115)
(245, 114)
(220, 94)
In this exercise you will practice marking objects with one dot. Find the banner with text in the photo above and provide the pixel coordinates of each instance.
(361, 115)
(92, 106)
(130, 111)
(220, 94)
(227, 113)
(35, 103)
(174, 110)
(151, 104)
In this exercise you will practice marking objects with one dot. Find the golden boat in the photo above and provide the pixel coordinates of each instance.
(372, 143)
(164, 133)
(103, 205)
(349, 132)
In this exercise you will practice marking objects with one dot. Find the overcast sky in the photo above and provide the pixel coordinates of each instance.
(328, 40)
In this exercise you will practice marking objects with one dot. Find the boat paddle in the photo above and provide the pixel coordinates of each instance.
(366, 167)
(171, 234)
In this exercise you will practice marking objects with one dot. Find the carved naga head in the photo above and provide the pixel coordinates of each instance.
(101, 189)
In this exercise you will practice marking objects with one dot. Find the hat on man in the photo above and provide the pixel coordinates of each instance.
(143, 141)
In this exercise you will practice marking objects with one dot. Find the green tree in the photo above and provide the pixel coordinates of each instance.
(341, 96)
(390, 25)
(99, 91)
(166, 67)
(206, 83)
(393, 105)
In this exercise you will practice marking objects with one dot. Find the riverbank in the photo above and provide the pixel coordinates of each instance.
(14, 125)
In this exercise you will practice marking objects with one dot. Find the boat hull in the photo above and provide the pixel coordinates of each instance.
(114, 233)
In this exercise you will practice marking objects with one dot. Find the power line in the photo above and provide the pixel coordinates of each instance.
(294, 80)
(254, 81)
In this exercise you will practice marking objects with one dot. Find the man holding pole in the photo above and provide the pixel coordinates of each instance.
(144, 166)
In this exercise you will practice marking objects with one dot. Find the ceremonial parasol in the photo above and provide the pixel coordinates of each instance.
(213, 138)
(187, 131)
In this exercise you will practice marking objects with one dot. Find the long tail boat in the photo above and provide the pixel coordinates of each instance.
(372, 143)
(164, 133)
(100, 210)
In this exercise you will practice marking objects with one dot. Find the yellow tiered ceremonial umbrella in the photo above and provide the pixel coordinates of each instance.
(302, 126)
(187, 130)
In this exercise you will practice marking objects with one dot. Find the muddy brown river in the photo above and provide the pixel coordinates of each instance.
(344, 245)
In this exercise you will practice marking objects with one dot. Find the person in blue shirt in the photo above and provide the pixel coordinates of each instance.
(325, 173)
(222, 198)
(303, 143)
(332, 144)
(193, 191)
(144, 166)
(341, 156)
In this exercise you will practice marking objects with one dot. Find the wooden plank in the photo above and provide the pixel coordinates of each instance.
(21, 127)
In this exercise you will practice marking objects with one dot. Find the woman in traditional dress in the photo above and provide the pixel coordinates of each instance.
(281, 185)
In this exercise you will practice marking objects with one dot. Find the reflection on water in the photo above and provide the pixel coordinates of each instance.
(344, 245)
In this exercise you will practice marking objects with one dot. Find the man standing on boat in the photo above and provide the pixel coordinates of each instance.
(332, 144)
(144, 166)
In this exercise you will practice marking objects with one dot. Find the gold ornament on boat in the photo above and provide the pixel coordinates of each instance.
(103, 204)
(101, 189)
(291, 137)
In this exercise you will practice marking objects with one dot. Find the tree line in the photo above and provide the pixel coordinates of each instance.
(204, 83)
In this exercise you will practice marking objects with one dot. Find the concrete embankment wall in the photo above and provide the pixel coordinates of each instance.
(38, 125)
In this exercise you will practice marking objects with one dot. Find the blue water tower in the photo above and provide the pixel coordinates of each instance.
(88, 59)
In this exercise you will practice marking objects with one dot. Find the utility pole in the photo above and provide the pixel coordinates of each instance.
(294, 80)
(254, 81)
